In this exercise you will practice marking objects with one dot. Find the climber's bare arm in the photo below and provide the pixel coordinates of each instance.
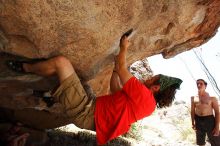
(121, 63)
(115, 82)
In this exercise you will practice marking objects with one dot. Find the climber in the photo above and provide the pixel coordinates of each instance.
(110, 115)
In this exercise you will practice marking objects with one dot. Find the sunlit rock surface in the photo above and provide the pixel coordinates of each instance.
(88, 32)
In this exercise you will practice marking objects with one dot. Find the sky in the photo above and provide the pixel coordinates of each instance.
(187, 67)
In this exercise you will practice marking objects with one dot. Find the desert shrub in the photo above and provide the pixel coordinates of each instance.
(135, 131)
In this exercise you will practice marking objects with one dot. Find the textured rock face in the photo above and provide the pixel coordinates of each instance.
(88, 32)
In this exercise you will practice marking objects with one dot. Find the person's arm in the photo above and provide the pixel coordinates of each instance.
(121, 63)
(193, 112)
(216, 110)
(115, 83)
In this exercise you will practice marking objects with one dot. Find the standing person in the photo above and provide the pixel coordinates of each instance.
(110, 115)
(205, 115)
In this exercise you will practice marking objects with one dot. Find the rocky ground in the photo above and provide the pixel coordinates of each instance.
(165, 127)
(168, 127)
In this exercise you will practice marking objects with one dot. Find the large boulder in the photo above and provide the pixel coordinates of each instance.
(88, 32)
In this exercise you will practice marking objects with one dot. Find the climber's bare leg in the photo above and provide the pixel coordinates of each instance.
(59, 65)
